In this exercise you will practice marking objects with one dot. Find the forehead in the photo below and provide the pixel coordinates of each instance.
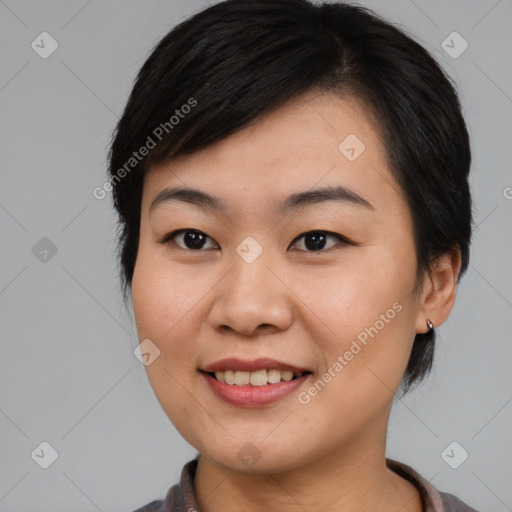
(315, 140)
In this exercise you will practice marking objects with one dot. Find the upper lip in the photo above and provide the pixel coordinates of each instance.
(264, 363)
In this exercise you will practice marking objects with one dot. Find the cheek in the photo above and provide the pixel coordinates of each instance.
(163, 303)
(365, 316)
(163, 296)
(349, 297)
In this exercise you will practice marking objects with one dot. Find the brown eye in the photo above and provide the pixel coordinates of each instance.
(190, 239)
(317, 240)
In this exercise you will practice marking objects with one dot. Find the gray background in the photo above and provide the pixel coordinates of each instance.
(68, 374)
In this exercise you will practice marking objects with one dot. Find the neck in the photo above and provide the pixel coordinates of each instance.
(354, 478)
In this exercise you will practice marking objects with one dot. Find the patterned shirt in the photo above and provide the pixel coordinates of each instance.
(181, 497)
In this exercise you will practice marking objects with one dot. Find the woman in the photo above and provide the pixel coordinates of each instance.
(291, 181)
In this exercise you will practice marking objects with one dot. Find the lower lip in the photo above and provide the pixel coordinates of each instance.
(253, 396)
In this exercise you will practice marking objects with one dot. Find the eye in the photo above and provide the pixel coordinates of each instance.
(316, 240)
(193, 239)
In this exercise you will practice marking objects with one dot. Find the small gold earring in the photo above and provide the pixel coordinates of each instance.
(430, 325)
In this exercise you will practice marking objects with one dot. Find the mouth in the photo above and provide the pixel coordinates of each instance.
(259, 388)
(254, 383)
(258, 372)
(257, 378)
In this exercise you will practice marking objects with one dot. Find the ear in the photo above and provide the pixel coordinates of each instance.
(439, 291)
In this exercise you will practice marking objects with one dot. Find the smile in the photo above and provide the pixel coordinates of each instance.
(258, 378)
(250, 395)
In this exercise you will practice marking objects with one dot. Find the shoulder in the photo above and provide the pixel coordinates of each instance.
(432, 499)
(453, 504)
(154, 506)
(180, 497)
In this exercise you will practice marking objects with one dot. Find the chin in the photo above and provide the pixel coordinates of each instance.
(258, 457)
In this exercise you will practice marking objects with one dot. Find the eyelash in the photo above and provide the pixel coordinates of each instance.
(341, 239)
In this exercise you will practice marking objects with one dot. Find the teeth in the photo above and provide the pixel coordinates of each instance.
(242, 378)
(273, 376)
(288, 375)
(259, 378)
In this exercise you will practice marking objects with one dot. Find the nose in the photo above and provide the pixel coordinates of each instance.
(252, 299)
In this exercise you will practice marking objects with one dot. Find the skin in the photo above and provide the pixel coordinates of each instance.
(293, 304)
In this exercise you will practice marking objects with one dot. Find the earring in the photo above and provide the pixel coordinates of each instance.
(430, 325)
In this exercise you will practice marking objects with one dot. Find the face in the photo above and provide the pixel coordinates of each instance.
(325, 285)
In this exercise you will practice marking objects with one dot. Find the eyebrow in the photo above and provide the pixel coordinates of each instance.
(292, 202)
